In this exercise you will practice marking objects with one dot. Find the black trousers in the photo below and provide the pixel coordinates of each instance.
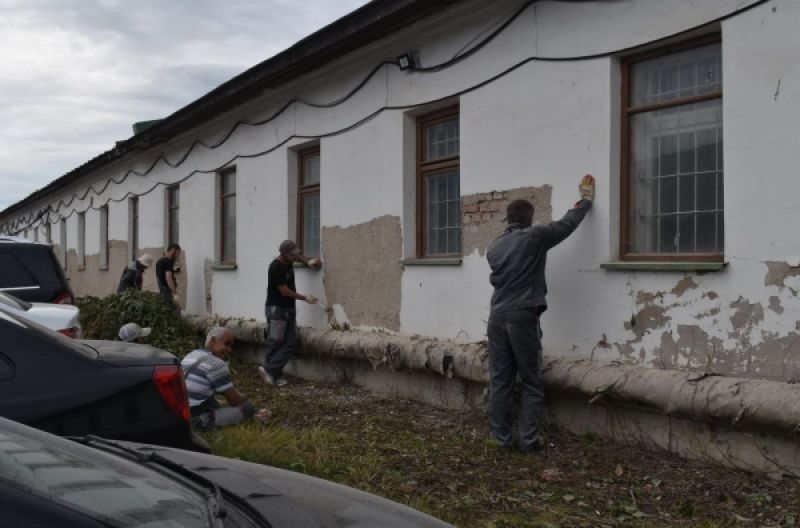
(515, 348)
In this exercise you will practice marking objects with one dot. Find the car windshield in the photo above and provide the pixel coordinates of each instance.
(105, 487)
(63, 341)
(14, 303)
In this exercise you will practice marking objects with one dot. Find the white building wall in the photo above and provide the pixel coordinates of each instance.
(544, 124)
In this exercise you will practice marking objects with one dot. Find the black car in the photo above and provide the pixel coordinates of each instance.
(90, 482)
(31, 272)
(70, 387)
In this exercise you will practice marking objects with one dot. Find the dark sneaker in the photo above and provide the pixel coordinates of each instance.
(266, 376)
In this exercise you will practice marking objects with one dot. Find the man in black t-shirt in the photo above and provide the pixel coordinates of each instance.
(165, 276)
(281, 332)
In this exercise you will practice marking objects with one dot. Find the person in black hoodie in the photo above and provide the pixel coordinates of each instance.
(133, 274)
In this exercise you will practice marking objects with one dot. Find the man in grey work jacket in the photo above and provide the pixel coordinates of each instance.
(517, 259)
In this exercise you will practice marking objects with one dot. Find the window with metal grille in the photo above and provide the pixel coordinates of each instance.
(672, 190)
(438, 184)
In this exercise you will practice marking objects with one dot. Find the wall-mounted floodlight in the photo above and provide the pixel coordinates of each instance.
(408, 60)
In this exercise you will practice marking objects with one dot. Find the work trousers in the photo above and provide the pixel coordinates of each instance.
(515, 348)
(222, 416)
(281, 337)
(166, 295)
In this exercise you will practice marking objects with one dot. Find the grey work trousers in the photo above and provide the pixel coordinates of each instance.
(515, 348)
(223, 416)
(281, 337)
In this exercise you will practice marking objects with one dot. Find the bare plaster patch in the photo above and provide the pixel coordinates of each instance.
(685, 284)
(645, 297)
(713, 296)
(777, 358)
(747, 314)
(778, 272)
(649, 318)
(362, 271)
(775, 304)
(92, 278)
(484, 213)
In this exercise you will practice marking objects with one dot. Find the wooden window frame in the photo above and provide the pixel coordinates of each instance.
(431, 168)
(628, 111)
(104, 245)
(303, 192)
(172, 212)
(133, 216)
(222, 226)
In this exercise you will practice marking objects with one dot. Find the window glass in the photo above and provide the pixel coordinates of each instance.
(104, 236)
(686, 74)
(676, 173)
(439, 200)
(173, 206)
(311, 173)
(108, 488)
(228, 217)
(444, 213)
(311, 227)
(442, 140)
(14, 273)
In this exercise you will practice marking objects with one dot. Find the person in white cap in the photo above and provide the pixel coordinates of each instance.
(133, 274)
(131, 332)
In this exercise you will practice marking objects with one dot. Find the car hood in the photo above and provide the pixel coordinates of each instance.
(289, 499)
(122, 354)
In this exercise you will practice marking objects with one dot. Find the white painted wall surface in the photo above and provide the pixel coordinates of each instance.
(547, 123)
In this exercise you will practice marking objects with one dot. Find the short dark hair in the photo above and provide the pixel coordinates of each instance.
(173, 246)
(519, 212)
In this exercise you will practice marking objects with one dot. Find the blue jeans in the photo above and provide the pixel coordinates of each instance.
(281, 338)
(515, 348)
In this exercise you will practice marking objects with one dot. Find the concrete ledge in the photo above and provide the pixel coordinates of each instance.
(750, 424)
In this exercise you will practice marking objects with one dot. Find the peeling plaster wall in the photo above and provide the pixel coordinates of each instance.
(363, 274)
(534, 133)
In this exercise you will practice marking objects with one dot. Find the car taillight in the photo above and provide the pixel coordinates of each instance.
(63, 297)
(168, 379)
(74, 333)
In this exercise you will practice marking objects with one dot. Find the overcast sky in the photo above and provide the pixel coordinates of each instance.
(76, 74)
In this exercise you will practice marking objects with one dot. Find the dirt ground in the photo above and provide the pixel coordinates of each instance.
(439, 461)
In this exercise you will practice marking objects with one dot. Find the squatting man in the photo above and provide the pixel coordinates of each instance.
(517, 260)
(207, 374)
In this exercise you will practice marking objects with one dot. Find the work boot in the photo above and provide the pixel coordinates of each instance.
(537, 445)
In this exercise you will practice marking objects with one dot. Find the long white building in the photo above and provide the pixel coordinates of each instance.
(390, 142)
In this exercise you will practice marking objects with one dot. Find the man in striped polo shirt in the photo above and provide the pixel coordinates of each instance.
(207, 374)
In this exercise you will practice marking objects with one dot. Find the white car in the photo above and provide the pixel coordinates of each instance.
(62, 318)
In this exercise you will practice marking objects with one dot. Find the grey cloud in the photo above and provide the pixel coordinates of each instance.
(82, 71)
